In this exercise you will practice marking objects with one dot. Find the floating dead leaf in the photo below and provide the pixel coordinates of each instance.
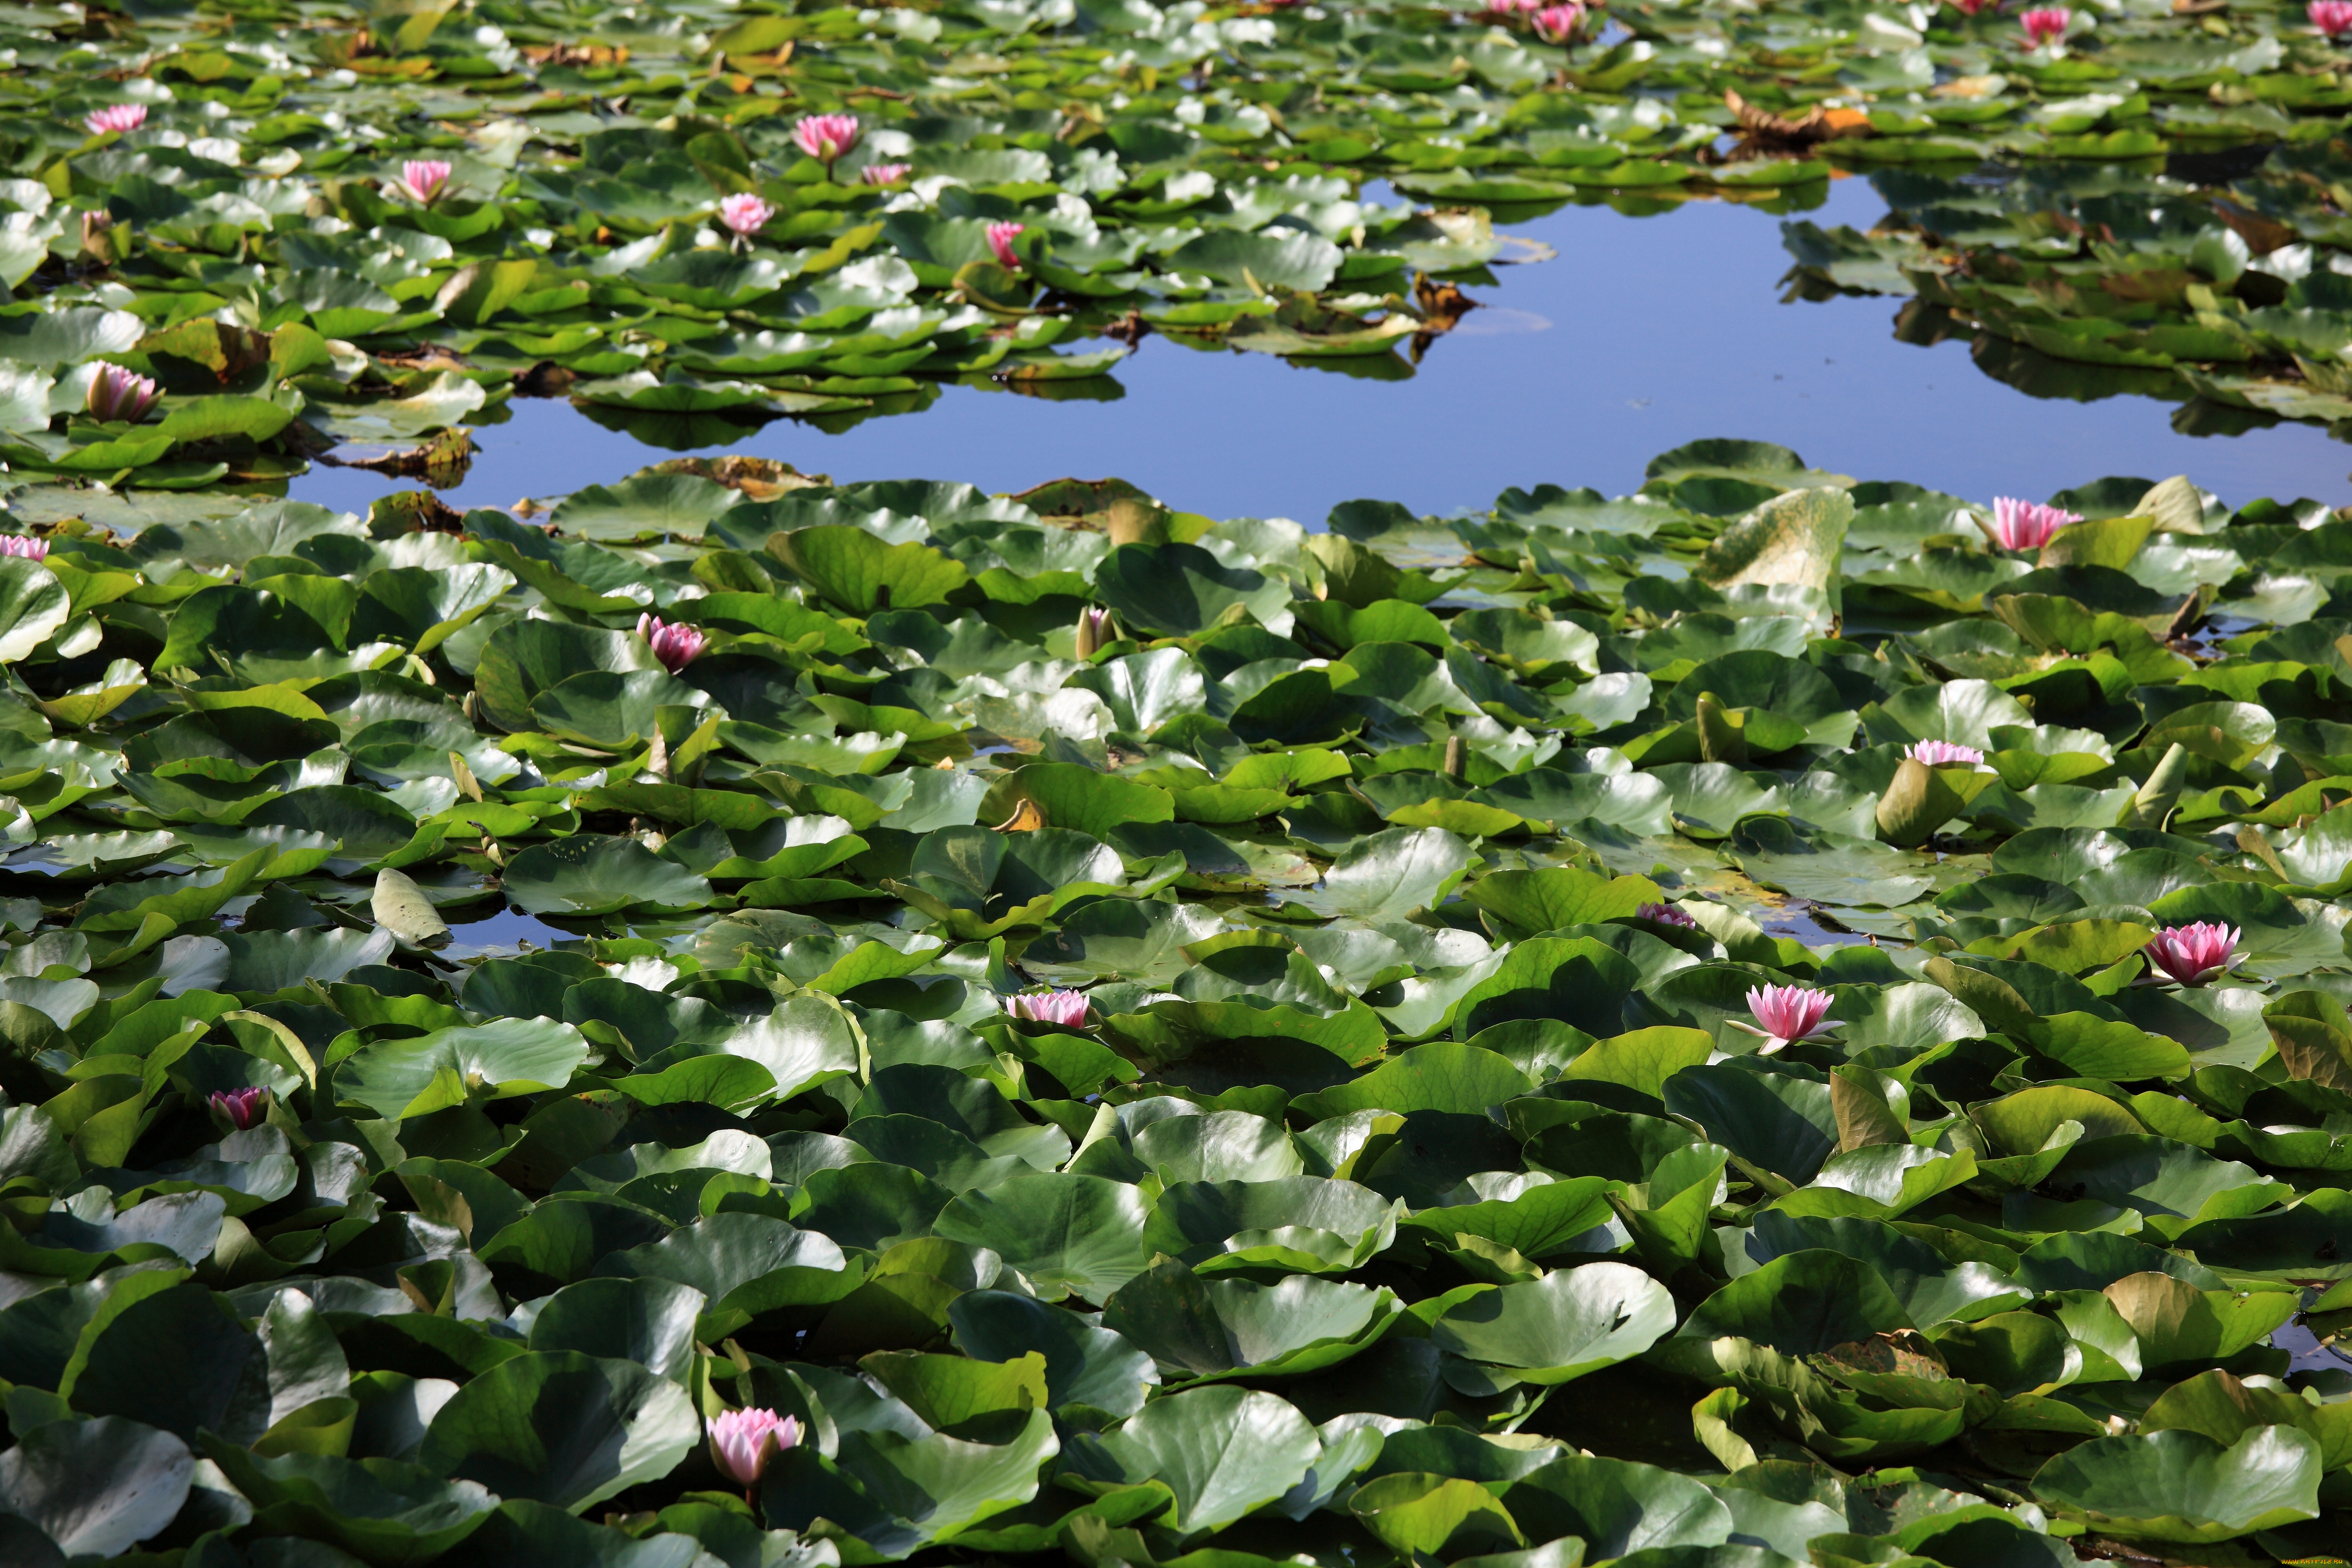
(441, 461)
(758, 479)
(1778, 132)
(416, 512)
(425, 357)
(1902, 1354)
(1081, 503)
(2261, 235)
(576, 54)
(1441, 304)
(545, 379)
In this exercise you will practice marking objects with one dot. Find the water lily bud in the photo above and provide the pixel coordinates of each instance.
(421, 179)
(1001, 236)
(1097, 631)
(118, 394)
(675, 646)
(241, 1108)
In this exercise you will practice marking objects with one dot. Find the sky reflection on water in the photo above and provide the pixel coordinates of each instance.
(1644, 333)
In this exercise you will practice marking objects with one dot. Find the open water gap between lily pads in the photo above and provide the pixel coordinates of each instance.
(1642, 334)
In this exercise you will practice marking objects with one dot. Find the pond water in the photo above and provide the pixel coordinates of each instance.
(1642, 334)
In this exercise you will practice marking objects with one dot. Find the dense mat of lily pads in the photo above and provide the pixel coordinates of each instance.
(321, 225)
(1780, 1018)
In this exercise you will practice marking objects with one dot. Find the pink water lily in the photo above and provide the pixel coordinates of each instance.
(1785, 1015)
(421, 180)
(825, 137)
(1001, 236)
(23, 546)
(241, 1108)
(1067, 1009)
(675, 645)
(2026, 524)
(1665, 915)
(743, 1441)
(1095, 631)
(2193, 954)
(745, 214)
(2332, 18)
(1942, 754)
(1970, 7)
(883, 174)
(116, 116)
(118, 394)
(2045, 26)
(1558, 24)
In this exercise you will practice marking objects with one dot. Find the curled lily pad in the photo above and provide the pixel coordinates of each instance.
(2182, 1485)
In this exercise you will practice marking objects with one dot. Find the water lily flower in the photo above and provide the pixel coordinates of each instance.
(743, 1441)
(1786, 1014)
(1095, 631)
(2025, 524)
(421, 180)
(675, 645)
(2193, 954)
(1938, 753)
(118, 394)
(883, 174)
(23, 546)
(1667, 915)
(2045, 26)
(1001, 236)
(825, 137)
(2332, 18)
(1067, 1009)
(116, 116)
(1970, 7)
(242, 1108)
(1558, 24)
(745, 214)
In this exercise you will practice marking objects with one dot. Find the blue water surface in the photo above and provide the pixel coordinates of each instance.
(1641, 334)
